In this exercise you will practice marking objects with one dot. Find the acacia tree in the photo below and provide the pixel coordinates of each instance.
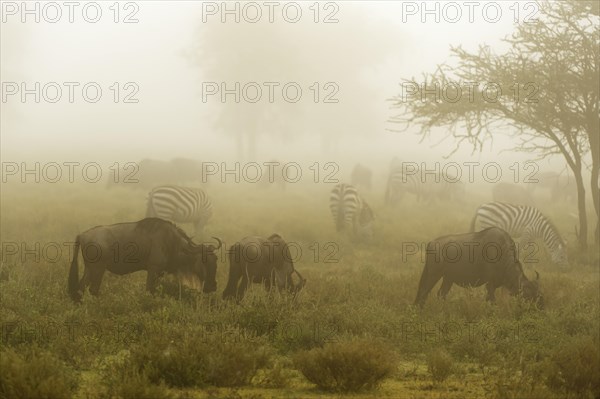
(544, 89)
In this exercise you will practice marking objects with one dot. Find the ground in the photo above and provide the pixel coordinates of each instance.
(354, 290)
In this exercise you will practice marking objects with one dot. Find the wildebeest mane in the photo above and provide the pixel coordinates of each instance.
(151, 225)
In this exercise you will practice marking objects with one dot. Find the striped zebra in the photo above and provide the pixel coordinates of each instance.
(522, 221)
(350, 212)
(425, 187)
(181, 205)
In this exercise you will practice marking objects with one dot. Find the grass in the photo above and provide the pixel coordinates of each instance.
(355, 292)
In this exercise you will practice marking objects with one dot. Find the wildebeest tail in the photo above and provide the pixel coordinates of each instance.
(74, 274)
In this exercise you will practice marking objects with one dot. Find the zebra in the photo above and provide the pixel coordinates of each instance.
(423, 187)
(522, 221)
(350, 211)
(181, 205)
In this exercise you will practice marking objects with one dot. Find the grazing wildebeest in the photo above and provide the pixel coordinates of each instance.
(260, 260)
(512, 194)
(151, 244)
(470, 260)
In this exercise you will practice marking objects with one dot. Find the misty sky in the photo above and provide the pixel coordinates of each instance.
(170, 119)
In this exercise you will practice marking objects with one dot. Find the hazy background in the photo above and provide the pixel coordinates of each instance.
(170, 52)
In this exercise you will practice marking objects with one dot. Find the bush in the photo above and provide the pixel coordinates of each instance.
(440, 365)
(278, 375)
(349, 366)
(135, 385)
(197, 360)
(34, 374)
(575, 367)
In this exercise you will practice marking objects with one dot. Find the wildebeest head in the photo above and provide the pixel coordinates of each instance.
(530, 290)
(284, 265)
(204, 263)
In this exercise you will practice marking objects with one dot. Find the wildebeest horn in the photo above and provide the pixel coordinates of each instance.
(537, 276)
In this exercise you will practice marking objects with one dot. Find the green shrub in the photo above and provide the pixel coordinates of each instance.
(575, 367)
(197, 360)
(278, 375)
(440, 365)
(349, 366)
(35, 373)
(137, 385)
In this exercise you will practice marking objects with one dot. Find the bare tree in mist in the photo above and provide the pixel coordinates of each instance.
(554, 62)
(305, 52)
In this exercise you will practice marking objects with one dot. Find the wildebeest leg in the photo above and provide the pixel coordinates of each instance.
(85, 280)
(491, 290)
(246, 281)
(95, 279)
(446, 285)
(428, 281)
(151, 280)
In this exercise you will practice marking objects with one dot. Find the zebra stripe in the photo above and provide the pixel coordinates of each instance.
(521, 220)
(350, 212)
(180, 204)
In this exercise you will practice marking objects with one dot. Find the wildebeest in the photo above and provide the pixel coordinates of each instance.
(151, 244)
(361, 177)
(512, 194)
(470, 260)
(260, 260)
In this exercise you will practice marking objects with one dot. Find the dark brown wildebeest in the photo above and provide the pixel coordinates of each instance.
(470, 260)
(151, 244)
(260, 260)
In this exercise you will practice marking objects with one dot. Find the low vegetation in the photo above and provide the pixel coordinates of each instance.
(352, 328)
(348, 366)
